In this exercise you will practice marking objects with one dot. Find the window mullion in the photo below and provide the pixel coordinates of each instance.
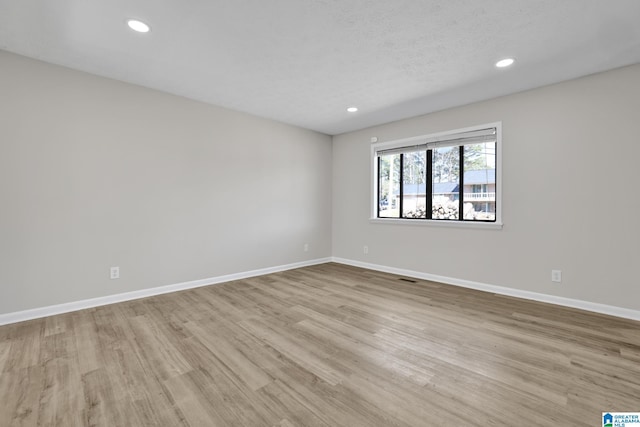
(429, 185)
(401, 184)
(379, 186)
(461, 185)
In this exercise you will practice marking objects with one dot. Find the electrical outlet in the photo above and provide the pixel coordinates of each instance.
(115, 272)
(365, 250)
(306, 247)
(556, 276)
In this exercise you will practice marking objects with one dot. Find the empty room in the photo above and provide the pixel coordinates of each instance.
(319, 213)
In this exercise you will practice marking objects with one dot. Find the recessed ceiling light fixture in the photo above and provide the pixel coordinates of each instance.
(352, 109)
(505, 62)
(138, 26)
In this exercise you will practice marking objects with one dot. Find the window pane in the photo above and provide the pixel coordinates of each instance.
(389, 186)
(480, 182)
(446, 180)
(414, 177)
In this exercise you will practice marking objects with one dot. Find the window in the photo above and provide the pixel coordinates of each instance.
(452, 176)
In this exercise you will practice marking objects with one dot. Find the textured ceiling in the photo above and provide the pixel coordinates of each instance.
(304, 62)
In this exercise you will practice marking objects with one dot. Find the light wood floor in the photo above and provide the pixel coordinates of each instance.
(328, 345)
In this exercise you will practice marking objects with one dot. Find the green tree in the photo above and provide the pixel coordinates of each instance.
(414, 167)
(446, 164)
(389, 173)
(446, 160)
(476, 156)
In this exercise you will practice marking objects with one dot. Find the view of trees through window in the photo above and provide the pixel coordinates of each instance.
(442, 183)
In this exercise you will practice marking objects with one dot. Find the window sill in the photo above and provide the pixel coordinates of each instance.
(437, 223)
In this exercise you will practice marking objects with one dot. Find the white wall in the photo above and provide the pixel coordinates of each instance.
(96, 173)
(571, 174)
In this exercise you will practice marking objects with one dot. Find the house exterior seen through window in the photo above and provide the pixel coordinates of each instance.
(445, 177)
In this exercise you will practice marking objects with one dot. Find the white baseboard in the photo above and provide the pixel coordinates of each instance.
(35, 313)
(567, 302)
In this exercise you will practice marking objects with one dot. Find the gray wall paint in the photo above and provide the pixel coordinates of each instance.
(96, 173)
(571, 156)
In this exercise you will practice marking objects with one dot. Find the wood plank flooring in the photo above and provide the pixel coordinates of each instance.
(328, 345)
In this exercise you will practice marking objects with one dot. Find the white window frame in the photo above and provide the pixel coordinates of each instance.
(408, 142)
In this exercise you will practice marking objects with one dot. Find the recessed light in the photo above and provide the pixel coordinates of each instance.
(352, 109)
(505, 62)
(138, 26)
